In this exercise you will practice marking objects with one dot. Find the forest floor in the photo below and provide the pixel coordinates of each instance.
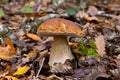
(24, 55)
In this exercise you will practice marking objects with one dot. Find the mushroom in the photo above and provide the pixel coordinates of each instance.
(60, 29)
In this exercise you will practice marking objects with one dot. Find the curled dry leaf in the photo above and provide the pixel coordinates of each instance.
(7, 51)
(33, 36)
(100, 43)
(93, 19)
(61, 69)
(54, 77)
(21, 70)
(10, 78)
(9, 42)
(96, 75)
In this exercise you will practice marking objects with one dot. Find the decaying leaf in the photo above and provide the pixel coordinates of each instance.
(93, 19)
(92, 10)
(54, 77)
(31, 54)
(95, 75)
(61, 69)
(10, 78)
(5, 52)
(8, 51)
(21, 70)
(33, 36)
(9, 42)
(100, 43)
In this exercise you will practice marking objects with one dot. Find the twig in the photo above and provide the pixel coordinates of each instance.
(43, 59)
(52, 16)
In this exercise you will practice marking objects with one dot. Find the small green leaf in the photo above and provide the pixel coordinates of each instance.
(54, 1)
(4, 1)
(1, 13)
(81, 45)
(84, 51)
(71, 11)
(27, 8)
(92, 44)
(93, 53)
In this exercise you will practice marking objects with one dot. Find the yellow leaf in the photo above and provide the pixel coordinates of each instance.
(21, 70)
(10, 78)
(31, 54)
(33, 36)
(93, 18)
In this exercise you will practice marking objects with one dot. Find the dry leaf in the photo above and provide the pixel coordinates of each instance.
(21, 70)
(31, 54)
(5, 52)
(100, 43)
(93, 19)
(61, 69)
(54, 77)
(9, 42)
(33, 36)
(96, 75)
(10, 78)
(73, 45)
(35, 15)
(92, 10)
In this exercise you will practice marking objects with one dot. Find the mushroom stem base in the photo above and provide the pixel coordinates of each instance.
(60, 51)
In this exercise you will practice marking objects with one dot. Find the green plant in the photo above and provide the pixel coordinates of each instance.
(4, 1)
(71, 11)
(54, 1)
(26, 8)
(89, 49)
(1, 13)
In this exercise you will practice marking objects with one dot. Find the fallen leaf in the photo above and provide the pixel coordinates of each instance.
(92, 10)
(61, 69)
(81, 14)
(10, 43)
(10, 78)
(5, 52)
(33, 36)
(21, 70)
(93, 19)
(96, 75)
(54, 77)
(31, 54)
(100, 43)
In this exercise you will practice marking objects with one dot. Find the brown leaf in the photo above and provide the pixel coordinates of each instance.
(61, 69)
(33, 36)
(35, 15)
(54, 77)
(10, 78)
(100, 43)
(92, 10)
(93, 19)
(5, 52)
(96, 74)
(10, 43)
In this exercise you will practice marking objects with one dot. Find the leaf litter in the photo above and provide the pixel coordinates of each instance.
(21, 46)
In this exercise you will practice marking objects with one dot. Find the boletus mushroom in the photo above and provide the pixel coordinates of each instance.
(59, 28)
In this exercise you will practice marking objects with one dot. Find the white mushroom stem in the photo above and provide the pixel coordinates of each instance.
(60, 50)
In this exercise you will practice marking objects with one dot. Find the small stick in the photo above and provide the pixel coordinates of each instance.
(43, 59)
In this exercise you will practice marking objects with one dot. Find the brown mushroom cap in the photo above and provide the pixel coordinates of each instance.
(58, 26)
